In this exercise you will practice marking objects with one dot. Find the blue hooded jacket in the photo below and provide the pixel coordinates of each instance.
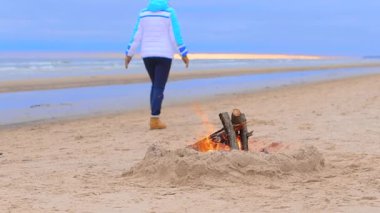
(157, 5)
(163, 5)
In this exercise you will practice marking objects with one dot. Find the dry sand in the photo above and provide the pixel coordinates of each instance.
(109, 163)
(187, 167)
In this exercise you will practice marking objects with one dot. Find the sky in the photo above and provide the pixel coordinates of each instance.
(317, 27)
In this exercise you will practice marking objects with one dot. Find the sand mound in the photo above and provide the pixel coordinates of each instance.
(186, 166)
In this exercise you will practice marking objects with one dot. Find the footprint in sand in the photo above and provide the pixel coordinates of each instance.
(369, 198)
(305, 126)
(317, 113)
(263, 122)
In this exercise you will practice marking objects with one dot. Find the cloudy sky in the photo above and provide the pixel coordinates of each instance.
(322, 27)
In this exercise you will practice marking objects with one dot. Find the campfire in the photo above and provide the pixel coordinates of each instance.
(233, 136)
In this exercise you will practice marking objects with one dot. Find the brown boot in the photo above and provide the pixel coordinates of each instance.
(155, 123)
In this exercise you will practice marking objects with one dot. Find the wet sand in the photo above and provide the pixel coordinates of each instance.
(102, 80)
(56, 104)
(83, 165)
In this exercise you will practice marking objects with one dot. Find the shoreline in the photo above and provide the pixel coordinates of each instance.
(104, 80)
(207, 100)
(27, 107)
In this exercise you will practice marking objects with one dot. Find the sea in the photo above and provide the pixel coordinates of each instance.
(36, 68)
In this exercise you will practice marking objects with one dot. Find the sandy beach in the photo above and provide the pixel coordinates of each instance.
(111, 163)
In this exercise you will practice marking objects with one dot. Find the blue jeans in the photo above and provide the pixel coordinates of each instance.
(158, 69)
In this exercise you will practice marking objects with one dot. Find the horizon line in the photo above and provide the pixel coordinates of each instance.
(193, 56)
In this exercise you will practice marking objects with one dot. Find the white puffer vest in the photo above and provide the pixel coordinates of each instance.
(158, 34)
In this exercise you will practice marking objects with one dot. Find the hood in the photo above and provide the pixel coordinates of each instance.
(157, 5)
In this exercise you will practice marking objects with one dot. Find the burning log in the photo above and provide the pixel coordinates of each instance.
(240, 125)
(233, 136)
(229, 129)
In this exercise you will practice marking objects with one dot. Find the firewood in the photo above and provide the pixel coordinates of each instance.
(240, 125)
(229, 129)
(233, 136)
(244, 132)
(236, 117)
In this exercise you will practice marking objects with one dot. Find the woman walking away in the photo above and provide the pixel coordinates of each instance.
(157, 31)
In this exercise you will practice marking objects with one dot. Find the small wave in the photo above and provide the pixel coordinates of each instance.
(8, 68)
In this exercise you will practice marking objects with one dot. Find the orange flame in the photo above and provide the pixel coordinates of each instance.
(239, 143)
(205, 120)
(207, 144)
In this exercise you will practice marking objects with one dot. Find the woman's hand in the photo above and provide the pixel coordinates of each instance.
(186, 60)
(127, 60)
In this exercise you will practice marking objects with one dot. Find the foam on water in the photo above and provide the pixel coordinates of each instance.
(20, 69)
